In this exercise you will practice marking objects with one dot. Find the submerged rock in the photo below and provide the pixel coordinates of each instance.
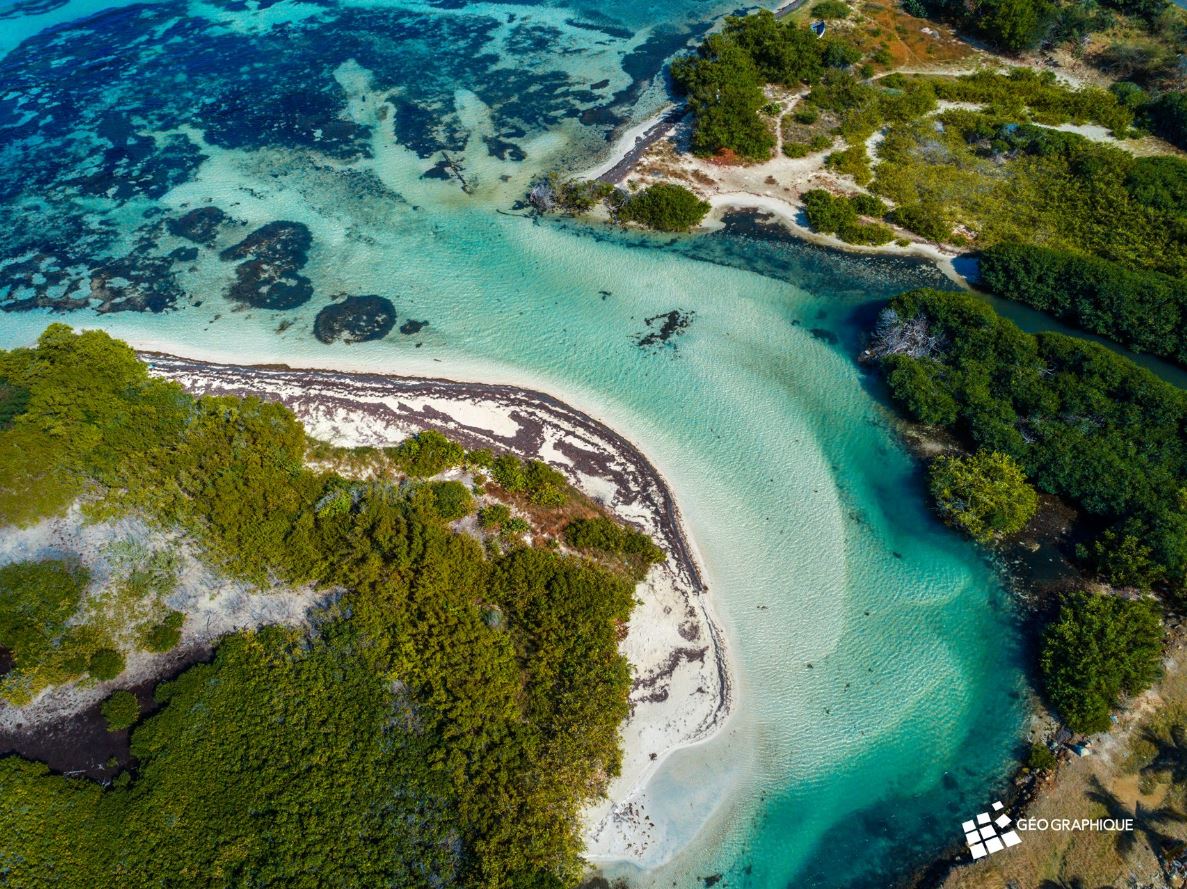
(269, 277)
(200, 226)
(662, 328)
(355, 319)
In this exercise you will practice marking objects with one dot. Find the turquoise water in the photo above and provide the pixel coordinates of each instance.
(808, 515)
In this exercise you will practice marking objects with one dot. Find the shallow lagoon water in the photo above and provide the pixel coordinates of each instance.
(809, 516)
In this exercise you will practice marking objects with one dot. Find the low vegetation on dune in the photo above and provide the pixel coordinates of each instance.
(979, 176)
(664, 207)
(1136, 34)
(1006, 181)
(440, 724)
(1001, 173)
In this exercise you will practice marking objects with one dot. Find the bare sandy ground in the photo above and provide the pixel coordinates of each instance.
(214, 605)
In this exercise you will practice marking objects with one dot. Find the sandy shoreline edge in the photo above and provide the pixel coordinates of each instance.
(682, 692)
(747, 187)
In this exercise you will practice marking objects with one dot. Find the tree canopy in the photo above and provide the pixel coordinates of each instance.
(666, 207)
(1143, 310)
(985, 494)
(1083, 423)
(1099, 648)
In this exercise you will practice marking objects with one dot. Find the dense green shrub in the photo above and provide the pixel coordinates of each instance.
(831, 9)
(832, 214)
(543, 485)
(868, 205)
(917, 385)
(853, 161)
(1015, 25)
(515, 526)
(121, 710)
(840, 53)
(1040, 758)
(13, 402)
(580, 195)
(507, 471)
(666, 207)
(1159, 182)
(985, 495)
(427, 453)
(1122, 559)
(928, 220)
(1010, 25)
(866, 233)
(73, 430)
(725, 94)
(106, 663)
(482, 458)
(1148, 10)
(1168, 117)
(1099, 648)
(594, 534)
(1129, 95)
(1084, 423)
(164, 635)
(806, 114)
(803, 149)
(603, 536)
(37, 599)
(826, 212)
(782, 52)
(1144, 311)
(493, 516)
(448, 501)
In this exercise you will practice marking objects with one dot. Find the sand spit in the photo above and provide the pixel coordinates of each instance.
(681, 692)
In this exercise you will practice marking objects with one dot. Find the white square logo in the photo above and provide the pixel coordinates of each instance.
(987, 834)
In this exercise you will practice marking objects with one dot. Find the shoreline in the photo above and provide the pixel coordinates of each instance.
(627, 142)
(683, 692)
(787, 213)
(637, 146)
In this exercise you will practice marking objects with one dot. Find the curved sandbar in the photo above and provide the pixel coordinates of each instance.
(681, 691)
